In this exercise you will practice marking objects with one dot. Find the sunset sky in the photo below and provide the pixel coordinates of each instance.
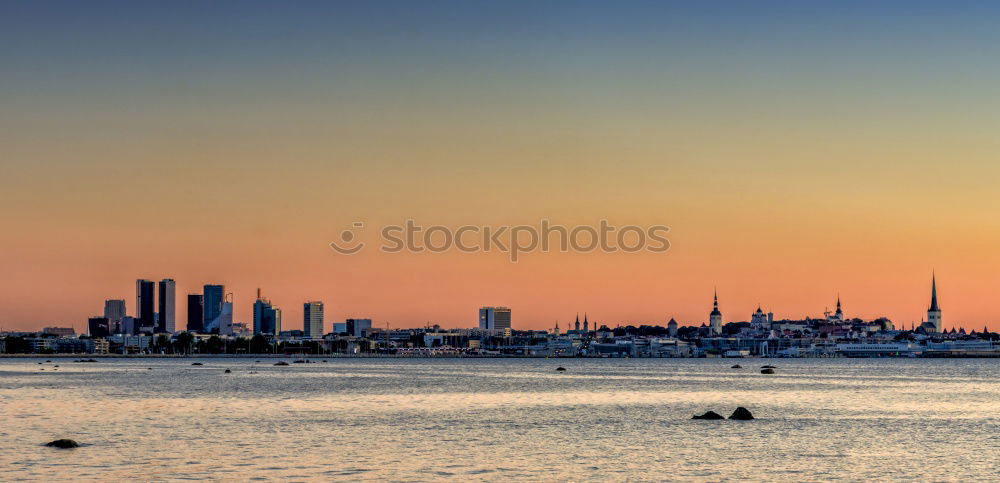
(796, 150)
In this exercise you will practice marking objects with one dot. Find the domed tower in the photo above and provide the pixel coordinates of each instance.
(715, 318)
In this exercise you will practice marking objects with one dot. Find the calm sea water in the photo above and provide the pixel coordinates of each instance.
(831, 419)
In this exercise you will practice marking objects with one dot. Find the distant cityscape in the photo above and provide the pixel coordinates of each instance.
(210, 329)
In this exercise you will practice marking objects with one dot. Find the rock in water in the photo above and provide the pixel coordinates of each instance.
(767, 371)
(768, 367)
(228, 371)
(736, 366)
(709, 415)
(63, 443)
(560, 369)
(742, 414)
(197, 364)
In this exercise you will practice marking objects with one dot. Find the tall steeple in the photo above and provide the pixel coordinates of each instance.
(577, 325)
(715, 318)
(934, 312)
(934, 304)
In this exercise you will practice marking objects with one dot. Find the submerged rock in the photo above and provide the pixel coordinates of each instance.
(561, 369)
(736, 366)
(63, 443)
(741, 414)
(767, 371)
(197, 364)
(281, 363)
(768, 367)
(227, 371)
(709, 415)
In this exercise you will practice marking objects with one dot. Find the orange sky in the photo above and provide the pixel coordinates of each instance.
(792, 163)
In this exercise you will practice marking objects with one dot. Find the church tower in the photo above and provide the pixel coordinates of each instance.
(934, 312)
(577, 325)
(586, 324)
(715, 318)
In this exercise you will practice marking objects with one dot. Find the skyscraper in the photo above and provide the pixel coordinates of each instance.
(195, 322)
(167, 314)
(715, 318)
(494, 318)
(114, 311)
(144, 305)
(266, 318)
(934, 311)
(312, 320)
(212, 300)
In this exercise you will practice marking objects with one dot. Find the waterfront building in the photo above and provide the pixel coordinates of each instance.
(166, 320)
(312, 320)
(145, 305)
(266, 317)
(212, 299)
(715, 317)
(59, 331)
(114, 311)
(494, 318)
(358, 327)
(195, 311)
(340, 328)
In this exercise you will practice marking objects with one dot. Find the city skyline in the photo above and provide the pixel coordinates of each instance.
(795, 152)
(266, 317)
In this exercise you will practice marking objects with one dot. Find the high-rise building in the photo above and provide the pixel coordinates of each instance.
(494, 318)
(312, 320)
(145, 305)
(114, 311)
(98, 327)
(212, 300)
(266, 317)
(224, 322)
(165, 323)
(195, 322)
(358, 327)
(934, 311)
(715, 318)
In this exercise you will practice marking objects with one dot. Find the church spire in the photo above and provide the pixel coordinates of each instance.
(934, 304)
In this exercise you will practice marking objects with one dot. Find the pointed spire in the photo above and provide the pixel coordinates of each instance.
(934, 303)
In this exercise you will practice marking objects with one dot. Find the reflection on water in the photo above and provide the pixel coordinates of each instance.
(501, 419)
